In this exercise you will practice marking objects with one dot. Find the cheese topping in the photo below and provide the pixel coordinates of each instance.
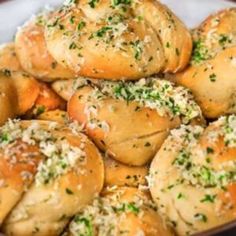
(197, 166)
(102, 217)
(208, 44)
(61, 156)
(153, 93)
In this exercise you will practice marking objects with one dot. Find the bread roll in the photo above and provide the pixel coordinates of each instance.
(130, 121)
(55, 115)
(47, 100)
(33, 54)
(8, 101)
(122, 211)
(8, 58)
(27, 90)
(211, 75)
(50, 172)
(192, 177)
(18, 90)
(18, 93)
(118, 174)
(118, 39)
(66, 88)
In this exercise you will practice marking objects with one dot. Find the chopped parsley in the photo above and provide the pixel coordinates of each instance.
(6, 72)
(200, 217)
(208, 198)
(153, 93)
(200, 52)
(93, 3)
(87, 228)
(224, 39)
(81, 25)
(180, 196)
(212, 77)
(138, 49)
(209, 150)
(40, 110)
(120, 2)
(69, 191)
(72, 46)
(147, 144)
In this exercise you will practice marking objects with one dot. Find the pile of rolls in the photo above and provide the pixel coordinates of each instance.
(117, 120)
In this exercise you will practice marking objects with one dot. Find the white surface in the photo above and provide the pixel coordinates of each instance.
(15, 12)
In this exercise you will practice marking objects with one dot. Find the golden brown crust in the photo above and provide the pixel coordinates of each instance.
(49, 203)
(16, 174)
(104, 41)
(33, 54)
(131, 129)
(8, 58)
(27, 90)
(118, 174)
(211, 75)
(8, 101)
(55, 115)
(66, 88)
(134, 215)
(192, 176)
(47, 100)
(126, 140)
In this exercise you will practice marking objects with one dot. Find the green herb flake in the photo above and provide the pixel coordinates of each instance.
(40, 110)
(87, 225)
(180, 196)
(72, 19)
(69, 191)
(212, 77)
(168, 44)
(177, 51)
(120, 2)
(7, 72)
(224, 39)
(201, 217)
(138, 50)
(4, 137)
(208, 198)
(93, 3)
(147, 144)
(81, 25)
(72, 46)
(131, 207)
(210, 150)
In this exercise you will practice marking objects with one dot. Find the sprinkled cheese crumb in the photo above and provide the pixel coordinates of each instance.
(153, 93)
(105, 213)
(61, 157)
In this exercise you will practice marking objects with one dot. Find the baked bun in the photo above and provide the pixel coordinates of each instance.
(8, 58)
(66, 88)
(192, 178)
(211, 75)
(55, 115)
(19, 91)
(118, 39)
(33, 54)
(47, 100)
(118, 174)
(8, 103)
(130, 120)
(122, 211)
(48, 173)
